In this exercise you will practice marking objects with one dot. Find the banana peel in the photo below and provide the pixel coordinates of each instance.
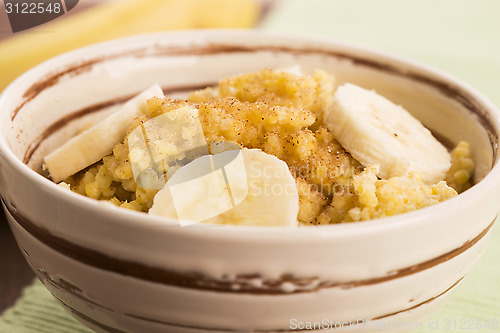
(113, 19)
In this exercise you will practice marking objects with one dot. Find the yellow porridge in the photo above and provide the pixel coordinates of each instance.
(283, 114)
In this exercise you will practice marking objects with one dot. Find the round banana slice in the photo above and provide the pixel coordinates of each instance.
(376, 131)
(238, 187)
(98, 141)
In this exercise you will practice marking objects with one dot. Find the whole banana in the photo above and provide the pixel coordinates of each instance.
(112, 19)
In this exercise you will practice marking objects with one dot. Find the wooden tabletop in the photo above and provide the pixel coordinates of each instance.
(15, 274)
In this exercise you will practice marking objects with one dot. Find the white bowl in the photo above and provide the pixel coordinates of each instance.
(122, 271)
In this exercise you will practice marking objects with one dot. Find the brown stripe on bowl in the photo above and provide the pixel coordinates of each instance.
(107, 328)
(459, 95)
(242, 283)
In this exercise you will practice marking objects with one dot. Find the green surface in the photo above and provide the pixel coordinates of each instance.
(38, 312)
(461, 37)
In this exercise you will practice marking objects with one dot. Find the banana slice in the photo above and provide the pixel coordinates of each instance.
(98, 141)
(239, 187)
(376, 131)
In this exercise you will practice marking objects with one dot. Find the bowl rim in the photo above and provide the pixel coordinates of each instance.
(128, 217)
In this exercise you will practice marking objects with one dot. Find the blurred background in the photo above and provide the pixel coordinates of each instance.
(461, 37)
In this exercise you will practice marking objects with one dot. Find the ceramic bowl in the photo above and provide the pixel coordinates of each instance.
(121, 271)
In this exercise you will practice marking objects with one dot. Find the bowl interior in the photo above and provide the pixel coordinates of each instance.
(54, 101)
